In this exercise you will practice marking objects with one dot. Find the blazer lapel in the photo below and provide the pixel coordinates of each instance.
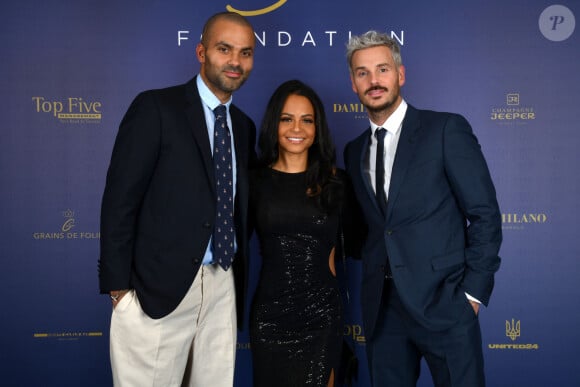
(362, 150)
(196, 118)
(404, 155)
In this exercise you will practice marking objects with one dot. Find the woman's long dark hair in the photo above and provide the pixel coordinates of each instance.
(321, 180)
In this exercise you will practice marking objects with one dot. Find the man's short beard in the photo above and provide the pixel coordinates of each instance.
(216, 77)
(380, 108)
(228, 89)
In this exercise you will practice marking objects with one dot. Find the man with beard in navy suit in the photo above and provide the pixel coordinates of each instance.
(434, 228)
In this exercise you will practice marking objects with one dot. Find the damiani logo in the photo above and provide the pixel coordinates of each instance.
(357, 109)
(257, 12)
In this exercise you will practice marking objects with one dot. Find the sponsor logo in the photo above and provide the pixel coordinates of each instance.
(355, 332)
(243, 346)
(72, 110)
(67, 230)
(308, 37)
(513, 332)
(66, 336)
(257, 12)
(512, 112)
(518, 221)
(355, 109)
(557, 23)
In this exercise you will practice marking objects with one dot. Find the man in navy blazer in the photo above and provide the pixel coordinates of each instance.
(174, 317)
(434, 228)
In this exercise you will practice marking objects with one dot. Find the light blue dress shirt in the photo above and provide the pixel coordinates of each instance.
(210, 102)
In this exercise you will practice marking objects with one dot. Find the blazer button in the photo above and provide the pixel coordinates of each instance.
(196, 261)
(389, 232)
(207, 225)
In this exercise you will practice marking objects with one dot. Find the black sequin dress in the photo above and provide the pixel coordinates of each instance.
(295, 325)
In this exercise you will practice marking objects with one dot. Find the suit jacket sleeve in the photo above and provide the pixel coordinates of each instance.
(132, 164)
(474, 191)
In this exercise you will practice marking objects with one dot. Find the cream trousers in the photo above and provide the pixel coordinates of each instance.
(195, 345)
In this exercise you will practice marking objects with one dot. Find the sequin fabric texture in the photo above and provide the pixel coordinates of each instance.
(295, 325)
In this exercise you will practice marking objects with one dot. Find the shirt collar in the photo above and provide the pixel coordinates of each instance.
(393, 123)
(208, 97)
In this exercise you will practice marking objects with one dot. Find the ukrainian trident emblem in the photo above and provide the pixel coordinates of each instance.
(512, 330)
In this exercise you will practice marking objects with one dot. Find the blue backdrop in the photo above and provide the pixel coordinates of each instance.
(70, 69)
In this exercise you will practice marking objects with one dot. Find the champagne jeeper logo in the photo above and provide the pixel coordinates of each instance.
(518, 221)
(72, 110)
(67, 230)
(513, 332)
(512, 112)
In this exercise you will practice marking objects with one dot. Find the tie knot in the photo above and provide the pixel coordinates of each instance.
(380, 133)
(220, 111)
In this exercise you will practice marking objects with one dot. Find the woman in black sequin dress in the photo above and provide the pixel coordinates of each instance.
(295, 202)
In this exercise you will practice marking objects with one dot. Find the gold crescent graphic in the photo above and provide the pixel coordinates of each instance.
(257, 11)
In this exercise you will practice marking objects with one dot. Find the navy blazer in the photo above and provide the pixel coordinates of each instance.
(442, 232)
(158, 207)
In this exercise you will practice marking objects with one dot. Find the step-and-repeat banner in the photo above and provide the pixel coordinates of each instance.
(69, 70)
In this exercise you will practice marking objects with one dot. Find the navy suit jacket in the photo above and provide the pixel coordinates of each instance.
(158, 208)
(442, 231)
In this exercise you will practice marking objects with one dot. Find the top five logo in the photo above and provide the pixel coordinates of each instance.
(70, 110)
